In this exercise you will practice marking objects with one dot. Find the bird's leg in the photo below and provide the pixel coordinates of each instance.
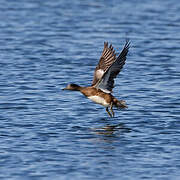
(107, 110)
(111, 108)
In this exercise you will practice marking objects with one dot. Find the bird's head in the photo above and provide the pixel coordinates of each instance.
(72, 87)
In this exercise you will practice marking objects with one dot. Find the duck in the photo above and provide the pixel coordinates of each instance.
(105, 72)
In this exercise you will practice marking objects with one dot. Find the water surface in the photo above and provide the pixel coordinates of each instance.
(46, 133)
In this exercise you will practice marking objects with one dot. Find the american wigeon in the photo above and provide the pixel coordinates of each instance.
(106, 71)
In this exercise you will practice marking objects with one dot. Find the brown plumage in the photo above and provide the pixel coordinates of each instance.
(107, 58)
(106, 71)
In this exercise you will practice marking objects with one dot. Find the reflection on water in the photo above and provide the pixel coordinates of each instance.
(110, 130)
(47, 134)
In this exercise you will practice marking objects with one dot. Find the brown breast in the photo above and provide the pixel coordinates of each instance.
(91, 91)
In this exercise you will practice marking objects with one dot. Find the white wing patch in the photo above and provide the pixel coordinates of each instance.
(105, 90)
(99, 73)
(99, 100)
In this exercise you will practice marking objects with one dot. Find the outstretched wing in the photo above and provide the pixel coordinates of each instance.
(107, 58)
(106, 83)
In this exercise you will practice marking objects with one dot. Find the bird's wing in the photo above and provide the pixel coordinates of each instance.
(107, 58)
(106, 83)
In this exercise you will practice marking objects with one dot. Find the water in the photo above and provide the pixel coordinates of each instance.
(46, 133)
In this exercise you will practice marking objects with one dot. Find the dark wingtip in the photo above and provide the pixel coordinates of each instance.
(127, 44)
(105, 44)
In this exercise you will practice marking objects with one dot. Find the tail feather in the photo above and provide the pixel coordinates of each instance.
(119, 103)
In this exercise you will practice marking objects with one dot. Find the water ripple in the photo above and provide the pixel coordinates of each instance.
(46, 133)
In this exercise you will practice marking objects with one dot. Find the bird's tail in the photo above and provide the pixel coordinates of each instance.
(119, 103)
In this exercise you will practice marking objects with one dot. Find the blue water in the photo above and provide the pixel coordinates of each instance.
(47, 133)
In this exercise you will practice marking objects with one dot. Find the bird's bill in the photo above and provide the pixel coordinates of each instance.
(64, 88)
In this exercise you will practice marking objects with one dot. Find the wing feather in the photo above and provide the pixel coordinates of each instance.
(107, 58)
(106, 83)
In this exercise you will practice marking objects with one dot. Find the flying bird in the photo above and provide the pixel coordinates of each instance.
(105, 72)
